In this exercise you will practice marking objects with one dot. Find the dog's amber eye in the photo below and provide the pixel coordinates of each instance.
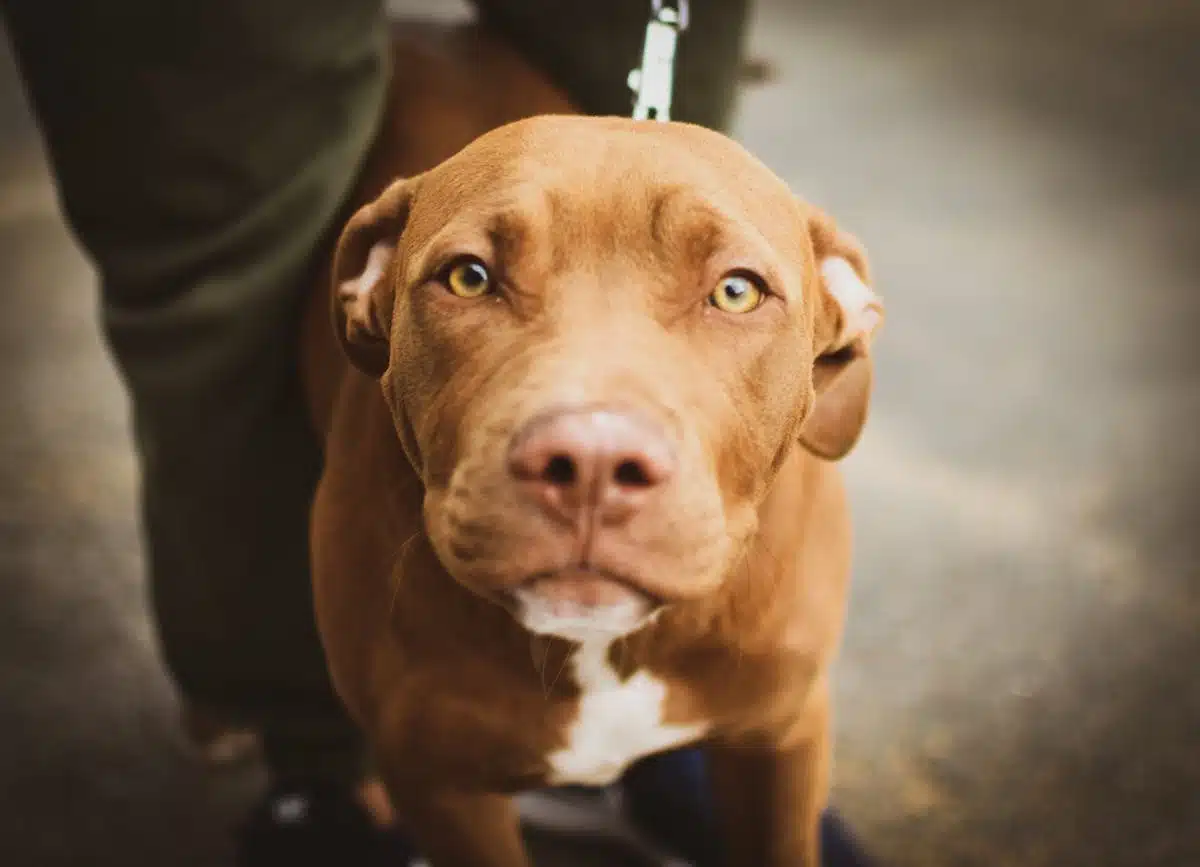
(736, 293)
(468, 278)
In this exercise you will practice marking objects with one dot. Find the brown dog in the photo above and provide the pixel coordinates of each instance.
(578, 504)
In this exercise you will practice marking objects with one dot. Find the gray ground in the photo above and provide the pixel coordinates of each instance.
(1018, 685)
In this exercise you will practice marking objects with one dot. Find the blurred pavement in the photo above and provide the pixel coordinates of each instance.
(1019, 682)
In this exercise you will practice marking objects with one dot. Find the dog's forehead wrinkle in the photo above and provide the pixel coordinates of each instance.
(687, 218)
(509, 231)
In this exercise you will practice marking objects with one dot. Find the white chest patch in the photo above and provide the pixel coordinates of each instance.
(618, 722)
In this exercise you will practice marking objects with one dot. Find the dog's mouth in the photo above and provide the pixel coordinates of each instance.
(580, 603)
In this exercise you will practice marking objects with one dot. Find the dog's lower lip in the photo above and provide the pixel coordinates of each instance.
(591, 572)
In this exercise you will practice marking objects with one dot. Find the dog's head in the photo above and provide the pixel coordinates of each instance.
(599, 340)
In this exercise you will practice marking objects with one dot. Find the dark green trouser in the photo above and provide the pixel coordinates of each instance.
(202, 151)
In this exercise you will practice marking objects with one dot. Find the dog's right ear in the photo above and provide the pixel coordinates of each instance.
(363, 282)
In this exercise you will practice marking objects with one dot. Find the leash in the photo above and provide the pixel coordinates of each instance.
(653, 81)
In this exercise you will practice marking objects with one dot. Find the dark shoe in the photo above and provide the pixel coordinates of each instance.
(316, 824)
(666, 798)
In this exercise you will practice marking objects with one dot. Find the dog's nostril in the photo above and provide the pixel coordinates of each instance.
(631, 474)
(560, 470)
(569, 461)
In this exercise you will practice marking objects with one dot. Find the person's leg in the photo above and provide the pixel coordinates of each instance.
(589, 46)
(202, 151)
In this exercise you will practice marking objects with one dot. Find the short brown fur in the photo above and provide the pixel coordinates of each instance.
(755, 558)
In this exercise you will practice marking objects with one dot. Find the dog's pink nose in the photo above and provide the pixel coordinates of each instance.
(599, 460)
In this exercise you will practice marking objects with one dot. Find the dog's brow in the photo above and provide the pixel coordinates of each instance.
(659, 210)
(677, 216)
(508, 230)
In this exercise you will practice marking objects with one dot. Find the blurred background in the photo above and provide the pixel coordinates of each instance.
(1019, 679)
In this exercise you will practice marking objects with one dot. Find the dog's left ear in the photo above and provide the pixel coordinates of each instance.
(848, 312)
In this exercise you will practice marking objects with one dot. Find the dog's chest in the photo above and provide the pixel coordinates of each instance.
(618, 722)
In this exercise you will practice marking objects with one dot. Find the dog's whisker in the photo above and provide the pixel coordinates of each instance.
(561, 666)
(540, 661)
(547, 688)
(401, 553)
(544, 662)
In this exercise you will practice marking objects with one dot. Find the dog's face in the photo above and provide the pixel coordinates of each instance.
(599, 340)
